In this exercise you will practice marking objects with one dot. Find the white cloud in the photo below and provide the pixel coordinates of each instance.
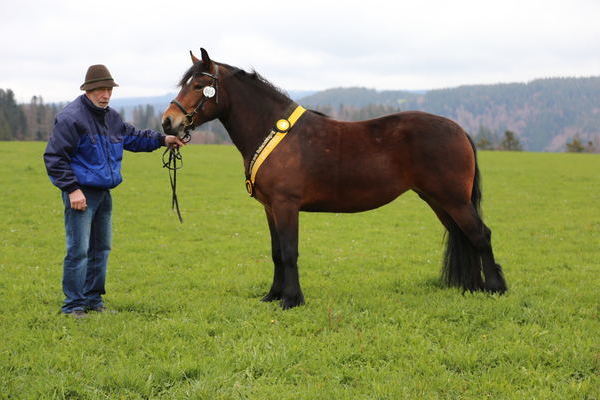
(46, 46)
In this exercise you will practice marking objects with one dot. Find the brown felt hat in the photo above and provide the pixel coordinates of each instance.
(98, 76)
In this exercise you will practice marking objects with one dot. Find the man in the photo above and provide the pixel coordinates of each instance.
(83, 159)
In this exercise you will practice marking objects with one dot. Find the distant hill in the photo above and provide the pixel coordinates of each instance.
(357, 97)
(127, 104)
(160, 103)
(544, 113)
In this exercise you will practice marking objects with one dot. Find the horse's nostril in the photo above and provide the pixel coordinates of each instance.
(166, 124)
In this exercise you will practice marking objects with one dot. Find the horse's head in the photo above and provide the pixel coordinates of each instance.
(199, 100)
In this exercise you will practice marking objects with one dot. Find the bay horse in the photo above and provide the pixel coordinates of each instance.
(323, 165)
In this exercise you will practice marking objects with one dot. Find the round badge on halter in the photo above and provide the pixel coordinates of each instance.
(283, 125)
(209, 92)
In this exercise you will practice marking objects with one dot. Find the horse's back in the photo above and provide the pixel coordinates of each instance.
(397, 142)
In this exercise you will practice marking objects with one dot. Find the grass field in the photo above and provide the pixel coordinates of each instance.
(377, 324)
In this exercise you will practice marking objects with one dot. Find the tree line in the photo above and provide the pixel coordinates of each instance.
(545, 114)
(579, 145)
(486, 139)
(13, 124)
(35, 121)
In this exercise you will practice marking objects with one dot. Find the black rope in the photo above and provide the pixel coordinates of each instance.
(173, 162)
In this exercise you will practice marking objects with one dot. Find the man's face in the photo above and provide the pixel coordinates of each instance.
(100, 97)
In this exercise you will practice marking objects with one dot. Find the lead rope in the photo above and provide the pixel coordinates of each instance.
(173, 162)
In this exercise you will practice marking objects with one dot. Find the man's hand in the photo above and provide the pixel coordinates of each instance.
(78, 201)
(173, 141)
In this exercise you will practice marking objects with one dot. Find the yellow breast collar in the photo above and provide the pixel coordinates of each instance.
(279, 131)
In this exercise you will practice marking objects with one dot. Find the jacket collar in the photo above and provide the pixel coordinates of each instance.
(92, 107)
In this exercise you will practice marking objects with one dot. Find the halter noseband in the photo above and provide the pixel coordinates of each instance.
(207, 93)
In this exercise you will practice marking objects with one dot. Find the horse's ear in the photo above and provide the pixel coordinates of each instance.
(205, 57)
(207, 63)
(194, 59)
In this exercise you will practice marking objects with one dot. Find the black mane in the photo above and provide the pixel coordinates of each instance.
(194, 70)
(260, 81)
(252, 77)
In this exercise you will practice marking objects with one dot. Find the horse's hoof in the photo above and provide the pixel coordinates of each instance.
(495, 286)
(495, 289)
(271, 297)
(291, 302)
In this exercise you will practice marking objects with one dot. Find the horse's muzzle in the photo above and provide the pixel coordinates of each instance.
(171, 127)
(167, 126)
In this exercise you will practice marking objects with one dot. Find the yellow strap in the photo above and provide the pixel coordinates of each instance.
(296, 114)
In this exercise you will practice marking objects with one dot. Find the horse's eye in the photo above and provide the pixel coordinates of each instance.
(198, 87)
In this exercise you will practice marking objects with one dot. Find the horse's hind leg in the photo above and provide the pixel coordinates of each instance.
(462, 263)
(480, 237)
(494, 278)
(468, 250)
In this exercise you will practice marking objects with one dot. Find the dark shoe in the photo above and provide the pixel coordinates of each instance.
(78, 314)
(102, 309)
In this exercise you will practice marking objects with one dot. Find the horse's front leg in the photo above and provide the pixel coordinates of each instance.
(277, 287)
(283, 223)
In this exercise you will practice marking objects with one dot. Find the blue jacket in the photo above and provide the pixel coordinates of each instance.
(86, 146)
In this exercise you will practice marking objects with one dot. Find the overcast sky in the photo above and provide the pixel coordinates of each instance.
(46, 46)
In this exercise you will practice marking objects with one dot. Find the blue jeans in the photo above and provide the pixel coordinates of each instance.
(88, 236)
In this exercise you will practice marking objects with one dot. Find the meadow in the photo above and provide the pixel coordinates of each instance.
(376, 325)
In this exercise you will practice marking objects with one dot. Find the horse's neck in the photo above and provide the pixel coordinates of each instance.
(251, 115)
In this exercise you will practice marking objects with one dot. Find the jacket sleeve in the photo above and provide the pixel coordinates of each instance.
(57, 157)
(141, 140)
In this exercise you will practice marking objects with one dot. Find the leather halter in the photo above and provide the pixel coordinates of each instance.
(188, 125)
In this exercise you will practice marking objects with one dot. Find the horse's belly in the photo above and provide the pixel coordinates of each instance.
(353, 195)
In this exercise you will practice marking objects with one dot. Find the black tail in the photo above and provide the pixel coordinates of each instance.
(476, 193)
(462, 262)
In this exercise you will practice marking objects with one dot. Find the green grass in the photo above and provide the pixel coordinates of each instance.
(377, 324)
